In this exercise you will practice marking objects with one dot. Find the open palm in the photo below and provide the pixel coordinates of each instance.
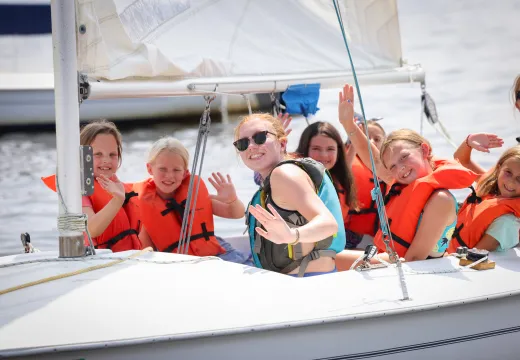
(346, 105)
(285, 119)
(113, 186)
(484, 141)
(226, 192)
(276, 229)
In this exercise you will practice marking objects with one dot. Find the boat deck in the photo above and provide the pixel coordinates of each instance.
(158, 295)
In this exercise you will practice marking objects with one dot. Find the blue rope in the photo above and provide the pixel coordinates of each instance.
(376, 191)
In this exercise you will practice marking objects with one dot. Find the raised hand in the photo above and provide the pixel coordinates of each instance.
(226, 192)
(285, 119)
(276, 229)
(113, 186)
(484, 141)
(346, 106)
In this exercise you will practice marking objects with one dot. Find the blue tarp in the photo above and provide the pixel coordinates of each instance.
(302, 99)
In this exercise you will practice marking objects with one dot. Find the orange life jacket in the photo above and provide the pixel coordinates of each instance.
(122, 232)
(476, 215)
(162, 219)
(342, 195)
(405, 203)
(365, 220)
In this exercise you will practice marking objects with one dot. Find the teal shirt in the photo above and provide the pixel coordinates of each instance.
(505, 229)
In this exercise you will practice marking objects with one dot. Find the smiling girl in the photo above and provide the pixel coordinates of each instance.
(322, 142)
(295, 222)
(162, 202)
(112, 214)
(489, 218)
(421, 212)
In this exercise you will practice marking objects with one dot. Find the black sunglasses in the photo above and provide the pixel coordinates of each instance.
(517, 95)
(259, 138)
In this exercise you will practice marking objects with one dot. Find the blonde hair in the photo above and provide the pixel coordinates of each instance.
(102, 126)
(377, 125)
(170, 144)
(277, 125)
(515, 89)
(488, 185)
(408, 136)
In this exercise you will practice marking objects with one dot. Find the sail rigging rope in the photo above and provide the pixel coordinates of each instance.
(73, 273)
(194, 260)
(189, 212)
(376, 192)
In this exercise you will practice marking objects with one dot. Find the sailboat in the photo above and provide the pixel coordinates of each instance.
(143, 304)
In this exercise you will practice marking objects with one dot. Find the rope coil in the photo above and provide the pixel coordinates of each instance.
(72, 222)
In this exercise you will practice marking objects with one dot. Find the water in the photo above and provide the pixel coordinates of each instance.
(470, 50)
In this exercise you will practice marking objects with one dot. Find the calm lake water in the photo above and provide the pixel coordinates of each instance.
(470, 50)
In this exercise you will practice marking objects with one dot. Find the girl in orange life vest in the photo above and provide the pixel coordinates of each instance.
(489, 218)
(364, 221)
(421, 212)
(168, 165)
(108, 219)
(322, 142)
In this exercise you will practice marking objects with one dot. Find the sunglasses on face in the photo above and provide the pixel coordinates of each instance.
(518, 96)
(259, 138)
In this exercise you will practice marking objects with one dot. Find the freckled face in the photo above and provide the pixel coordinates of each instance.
(406, 161)
(261, 158)
(509, 178)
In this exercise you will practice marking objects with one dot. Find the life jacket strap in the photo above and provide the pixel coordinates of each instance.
(395, 190)
(205, 234)
(456, 235)
(313, 255)
(128, 196)
(111, 242)
(400, 240)
(173, 205)
(371, 210)
(473, 198)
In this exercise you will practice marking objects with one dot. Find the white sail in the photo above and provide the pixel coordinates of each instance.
(186, 39)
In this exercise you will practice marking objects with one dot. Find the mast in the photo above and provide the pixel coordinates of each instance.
(67, 124)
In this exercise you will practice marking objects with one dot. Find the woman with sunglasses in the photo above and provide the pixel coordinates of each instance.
(295, 222)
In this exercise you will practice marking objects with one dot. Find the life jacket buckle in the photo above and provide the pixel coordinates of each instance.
(314, 255)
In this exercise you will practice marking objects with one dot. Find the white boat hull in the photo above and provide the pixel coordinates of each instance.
(484, 330)
(174, 306)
